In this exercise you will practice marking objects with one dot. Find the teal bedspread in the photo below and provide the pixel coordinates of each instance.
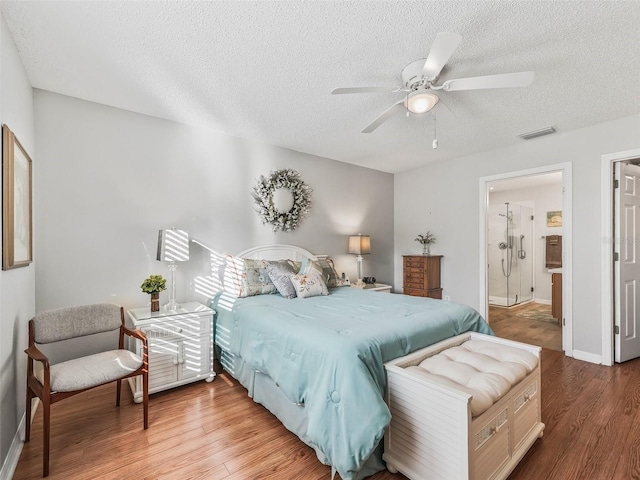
(328, 353)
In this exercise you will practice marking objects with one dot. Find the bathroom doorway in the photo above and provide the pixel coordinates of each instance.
(523, 224)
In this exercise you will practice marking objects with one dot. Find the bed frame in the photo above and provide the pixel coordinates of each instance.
(276, 252)
(263, 390)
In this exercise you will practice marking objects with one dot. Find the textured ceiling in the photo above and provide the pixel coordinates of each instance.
(264, 70)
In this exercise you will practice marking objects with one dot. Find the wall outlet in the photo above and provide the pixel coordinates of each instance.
(447, 297)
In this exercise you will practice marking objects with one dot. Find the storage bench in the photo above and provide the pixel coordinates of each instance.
(437, 431)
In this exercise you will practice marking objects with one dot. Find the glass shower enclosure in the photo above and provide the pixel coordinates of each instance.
(510, 254)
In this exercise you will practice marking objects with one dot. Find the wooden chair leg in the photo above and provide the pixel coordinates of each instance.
(46, 432)
(118, 391)
(145, 398)
(27, 415)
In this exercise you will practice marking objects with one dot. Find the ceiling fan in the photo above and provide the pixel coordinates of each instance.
(419, 78)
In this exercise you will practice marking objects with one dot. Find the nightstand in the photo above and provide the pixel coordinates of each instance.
(376, 287)
(180, 346)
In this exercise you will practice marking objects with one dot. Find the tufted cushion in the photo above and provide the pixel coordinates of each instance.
(486, 370)
(92, 370)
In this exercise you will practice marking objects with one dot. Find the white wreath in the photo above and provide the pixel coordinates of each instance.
(263, 196)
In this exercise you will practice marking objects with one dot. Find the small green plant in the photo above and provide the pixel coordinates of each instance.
(154, 284)
(426, 239)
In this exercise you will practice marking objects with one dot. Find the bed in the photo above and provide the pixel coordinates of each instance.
(317, 363)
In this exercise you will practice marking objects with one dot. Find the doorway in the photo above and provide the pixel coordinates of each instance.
(520, 213)
(608, 162)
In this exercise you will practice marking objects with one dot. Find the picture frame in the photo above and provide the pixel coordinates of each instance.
(17, 204)
(554, 218)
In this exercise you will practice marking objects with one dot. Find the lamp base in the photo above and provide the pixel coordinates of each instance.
(172, 305)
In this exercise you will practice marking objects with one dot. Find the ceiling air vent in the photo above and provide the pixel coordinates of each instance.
(537, 133)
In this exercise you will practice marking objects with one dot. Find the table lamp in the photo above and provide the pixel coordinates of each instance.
(359, 245)
(173, 246)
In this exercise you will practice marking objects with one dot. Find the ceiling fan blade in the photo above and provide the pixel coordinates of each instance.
(383, 118)
(443, 47)
(340, 91)
(505, 80)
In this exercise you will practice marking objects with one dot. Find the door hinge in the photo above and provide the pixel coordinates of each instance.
(563, 322)
(531, 217)
(616, 330)
(615, 256)
(616, 184)
(532, 289)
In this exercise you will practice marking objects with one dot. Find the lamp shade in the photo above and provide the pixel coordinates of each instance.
(360, 244)
(173, 245)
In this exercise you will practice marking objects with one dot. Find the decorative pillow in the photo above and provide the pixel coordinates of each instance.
(309, 284)
(245, 277)
(329, 272)
(308, 265)
(280, 273)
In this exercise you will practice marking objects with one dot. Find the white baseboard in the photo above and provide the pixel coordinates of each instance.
(11, 462)
(587, 357)
(543, 301)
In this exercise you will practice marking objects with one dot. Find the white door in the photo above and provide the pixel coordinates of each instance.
(627, 266)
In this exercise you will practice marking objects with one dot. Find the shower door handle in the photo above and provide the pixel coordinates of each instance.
(521, 253)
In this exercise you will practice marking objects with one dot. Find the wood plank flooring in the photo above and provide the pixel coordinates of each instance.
(214, 431)
(507, 323)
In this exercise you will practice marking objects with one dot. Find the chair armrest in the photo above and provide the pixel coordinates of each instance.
(135, 333)
(35, 354)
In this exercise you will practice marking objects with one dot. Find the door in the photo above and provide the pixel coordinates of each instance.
(627, 265)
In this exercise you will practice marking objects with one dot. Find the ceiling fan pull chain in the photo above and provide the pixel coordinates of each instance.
(406, 102)
(435, 131)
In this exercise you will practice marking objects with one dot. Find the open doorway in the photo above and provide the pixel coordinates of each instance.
(524, 246)
(523, 226)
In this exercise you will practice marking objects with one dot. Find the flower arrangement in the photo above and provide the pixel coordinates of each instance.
(426, 240)
(263, 196)
(154, 284)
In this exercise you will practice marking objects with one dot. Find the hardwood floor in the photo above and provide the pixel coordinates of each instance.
(511, 323)
(214, 431)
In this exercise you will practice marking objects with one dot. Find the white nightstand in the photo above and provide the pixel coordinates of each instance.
(180, 346)
(376, 287)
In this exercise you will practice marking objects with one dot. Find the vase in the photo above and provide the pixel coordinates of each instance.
(155, 302)
(426, 249)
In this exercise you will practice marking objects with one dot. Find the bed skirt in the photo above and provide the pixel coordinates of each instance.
(263, 390)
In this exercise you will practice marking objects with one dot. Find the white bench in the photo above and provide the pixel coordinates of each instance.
(439, 431)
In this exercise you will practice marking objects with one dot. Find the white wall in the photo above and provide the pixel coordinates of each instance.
(443, 197)
(543, 198)
(109, 179)
(17, 286)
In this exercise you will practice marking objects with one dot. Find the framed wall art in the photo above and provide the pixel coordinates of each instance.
(17, 241)
(554, 218)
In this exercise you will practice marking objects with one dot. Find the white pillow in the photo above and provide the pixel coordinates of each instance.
(310, 284)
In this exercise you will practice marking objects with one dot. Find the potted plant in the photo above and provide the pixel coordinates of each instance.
(426, 240)
(153, 285)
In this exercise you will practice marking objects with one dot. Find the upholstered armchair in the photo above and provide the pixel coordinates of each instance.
(53, 383)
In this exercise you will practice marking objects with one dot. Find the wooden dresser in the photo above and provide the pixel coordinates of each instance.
(421, 275)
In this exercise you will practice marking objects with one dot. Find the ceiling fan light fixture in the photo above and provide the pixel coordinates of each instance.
(420, 101)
